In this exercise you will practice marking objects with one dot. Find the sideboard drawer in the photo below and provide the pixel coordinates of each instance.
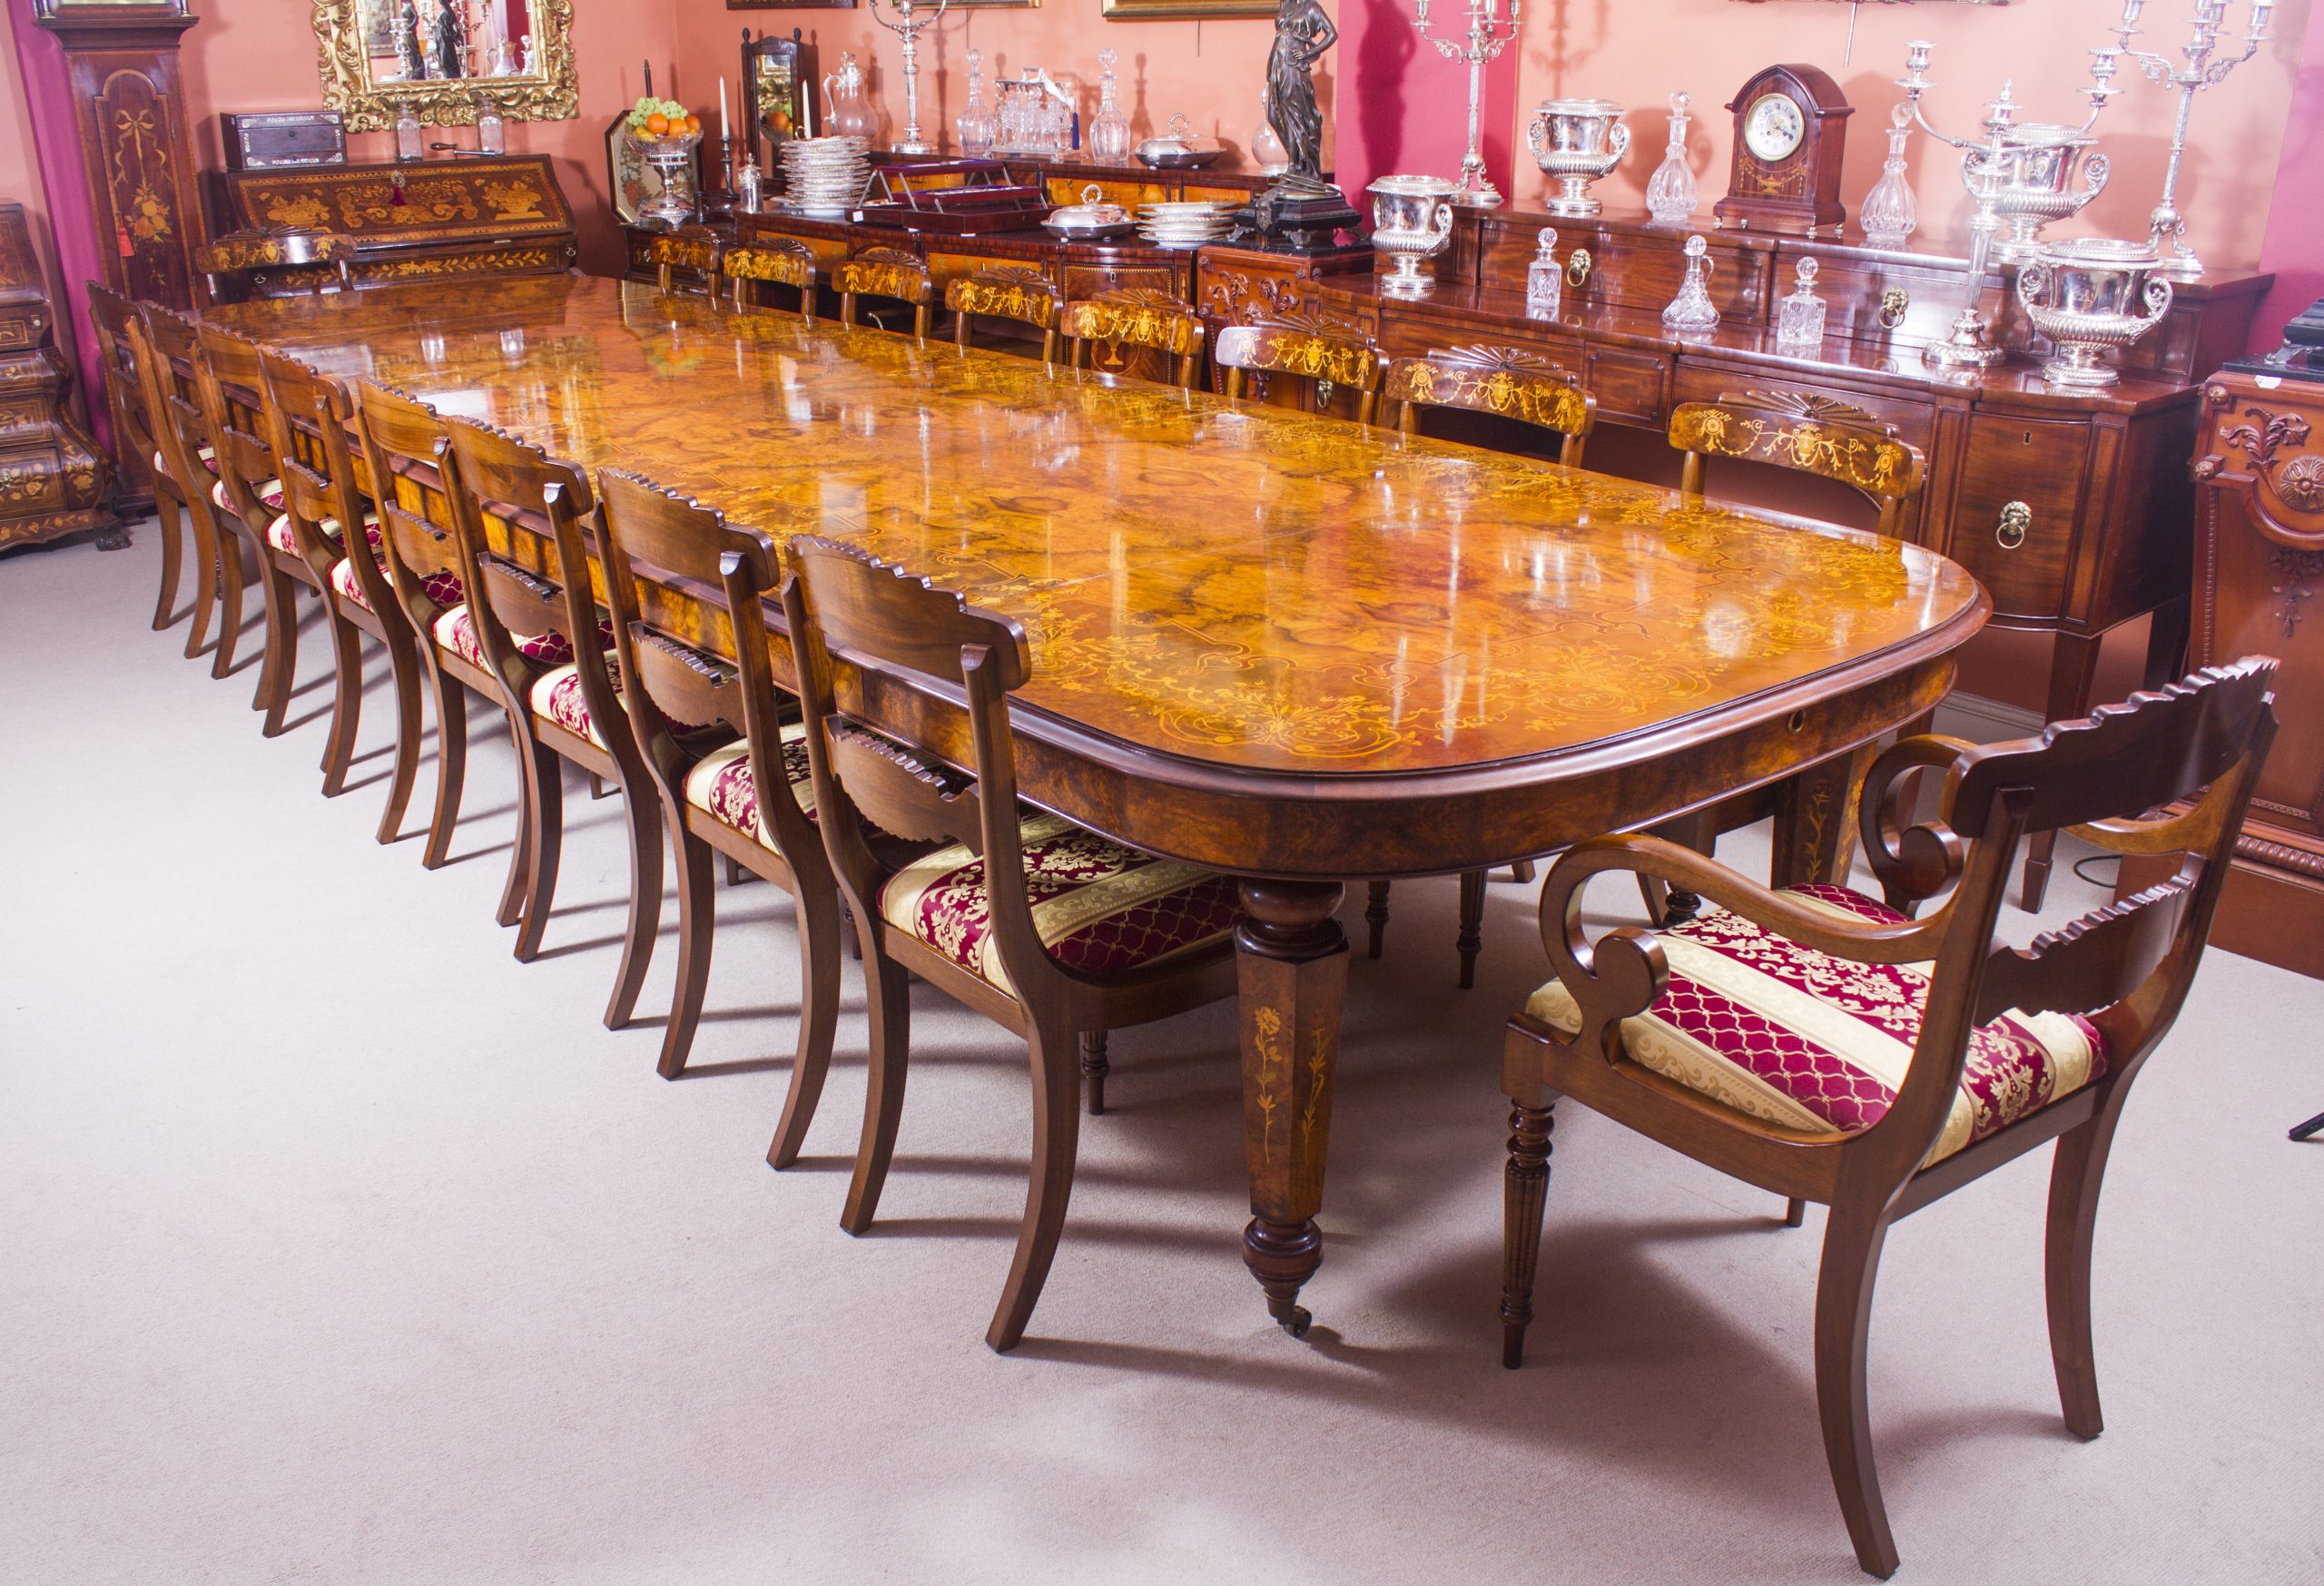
(1629, 385)
(2019, 503)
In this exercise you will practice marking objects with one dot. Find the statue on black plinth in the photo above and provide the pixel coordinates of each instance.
(1301, 33)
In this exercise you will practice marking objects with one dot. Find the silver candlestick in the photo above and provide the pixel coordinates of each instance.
(1488, 36)
(1985, 167)
(908, 26)
(2201, 71)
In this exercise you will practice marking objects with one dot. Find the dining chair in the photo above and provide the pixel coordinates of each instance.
(888, 274)
(1039, 925)
(1021, 295)
(168, 349)
(1133, 316)
(564, 695)
(1323, 361)
(138, 454)
(1804, 434)
(752, 267)
(316, 466)
(1507, 382)
(713, 729)
(687, 256)
(1823, 1046)
(406, 455)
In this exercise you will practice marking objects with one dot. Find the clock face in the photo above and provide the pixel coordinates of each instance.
(1773, 126)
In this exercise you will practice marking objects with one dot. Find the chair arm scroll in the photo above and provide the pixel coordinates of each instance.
(1914, 861)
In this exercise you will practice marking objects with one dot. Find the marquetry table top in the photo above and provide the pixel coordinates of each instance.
(1244, 587)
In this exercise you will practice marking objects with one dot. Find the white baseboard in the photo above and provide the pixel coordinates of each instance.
(1986, 721)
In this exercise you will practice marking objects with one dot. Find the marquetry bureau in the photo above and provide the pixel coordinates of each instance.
(53, 479)
(489, 215)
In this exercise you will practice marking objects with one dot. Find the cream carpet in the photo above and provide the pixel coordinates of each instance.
(340, 1247)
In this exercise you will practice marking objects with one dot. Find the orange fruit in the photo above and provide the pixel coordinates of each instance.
(657, 124)
(694, 124)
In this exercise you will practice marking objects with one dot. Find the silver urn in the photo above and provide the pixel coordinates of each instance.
(2032, 182)
(2088, 296)
(1412, 220)
(1577, 141)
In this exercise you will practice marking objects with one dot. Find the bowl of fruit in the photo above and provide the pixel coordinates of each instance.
(664, 134)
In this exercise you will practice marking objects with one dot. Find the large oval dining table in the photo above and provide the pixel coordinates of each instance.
(1290, 647)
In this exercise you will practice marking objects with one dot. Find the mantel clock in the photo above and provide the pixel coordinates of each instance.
(1792, 128)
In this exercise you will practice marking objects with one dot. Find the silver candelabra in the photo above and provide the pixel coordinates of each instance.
(908, 26)
(2201, 71)
(1985, 168)
(1488, 36)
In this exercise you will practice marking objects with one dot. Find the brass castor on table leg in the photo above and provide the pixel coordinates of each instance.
(1297, 1323)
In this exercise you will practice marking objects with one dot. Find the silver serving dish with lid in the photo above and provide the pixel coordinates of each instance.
(1175, 147)
(1093, 217)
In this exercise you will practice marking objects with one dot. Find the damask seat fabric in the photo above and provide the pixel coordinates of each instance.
(343, 580)
(279, 534)
(1098, 906)
(722, 784)
(456, 631)
(1795, 1038)
(557, 697)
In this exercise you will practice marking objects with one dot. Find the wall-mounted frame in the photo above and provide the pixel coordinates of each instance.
(789, 5)
(366, 87)
(1158, 10)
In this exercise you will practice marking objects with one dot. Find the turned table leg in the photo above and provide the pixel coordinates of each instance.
(1291, 962)
(1814, 833)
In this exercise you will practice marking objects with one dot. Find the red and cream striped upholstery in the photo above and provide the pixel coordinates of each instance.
(1096, 905)
(1795, 1038)
(723, 785)
(267, 491)
(279, 535)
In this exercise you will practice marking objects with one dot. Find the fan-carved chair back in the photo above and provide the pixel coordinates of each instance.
(888, 273)
(1022, 296)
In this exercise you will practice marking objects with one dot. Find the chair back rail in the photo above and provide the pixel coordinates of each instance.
(1022, 295)
(752, 267)
(693, 248)
(175, 396)
(317, 467)
(1317, 357)
(406, 450)
(1806, 434)
(135, 439)
(891, 273)
(242, 429)
(1505, 381)
(1134, 317)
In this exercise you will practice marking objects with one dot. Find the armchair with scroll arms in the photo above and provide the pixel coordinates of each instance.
(1825, 1047)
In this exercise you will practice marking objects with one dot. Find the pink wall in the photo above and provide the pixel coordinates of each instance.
(1710, 46)
(1409, 105)
(2295, 245)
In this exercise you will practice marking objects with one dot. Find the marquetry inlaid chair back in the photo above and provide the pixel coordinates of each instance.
(1970, 1098)
(1506, 382)
(857, 625)
(1023, 296)
(888, 273)
(784, 261)
(688, 257)
(1322, 361)
(137, 451)
(183, 432)
(701, 685)
(1810, 435)
(1137, 317)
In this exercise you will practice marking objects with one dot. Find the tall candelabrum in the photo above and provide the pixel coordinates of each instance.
(2201, 71)
(909, 23)
(1987, 166)
(1488, 36)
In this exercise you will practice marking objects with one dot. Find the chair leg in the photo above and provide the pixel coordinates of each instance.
(546, 850)
(1655, 892)
(1471, 939)
(1525, 1194)
(346, 701)
(2076, 1173)
(1375, 915)
(735, 874)
(889, 1003)
(598, 786)
(1794, 1212)
(277, 669)
(644, 818)
(513, 892)
(697, 931)
(209, 577)
(1094, 1068)
(817, 912)
(1057, 1138)
(1852, 1241)
(451, 762)
(403, 669)
(165, 514)
(1522, 870)
(230, 584)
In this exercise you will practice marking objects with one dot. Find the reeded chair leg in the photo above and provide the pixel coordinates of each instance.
(887, 994)
(165, 514)
(1525, 1193)
(1472, 940)
(547, 849)
(347, 699)
(1094, 1068)
(451, 762)
(1375, 915)
(403, 669)
(697, 930)
(1057, 1139)
(2075, 1172)
(1852, 1241)
(819, 934)
(642, 814)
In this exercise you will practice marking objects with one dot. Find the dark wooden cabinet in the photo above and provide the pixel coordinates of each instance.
(428, 219)
(53, 479)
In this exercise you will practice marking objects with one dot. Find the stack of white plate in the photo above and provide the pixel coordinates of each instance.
(825, 176)
(1185, 225)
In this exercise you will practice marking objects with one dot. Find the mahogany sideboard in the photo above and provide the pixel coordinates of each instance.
(53, 479)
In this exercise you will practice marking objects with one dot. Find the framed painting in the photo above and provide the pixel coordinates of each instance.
(1157, 10)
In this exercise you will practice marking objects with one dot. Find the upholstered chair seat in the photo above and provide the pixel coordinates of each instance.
(1816, 1047)
(269, 491)
(208, 454)
(279, 534)
(1098, 907)
(456, 631)
(722, 783)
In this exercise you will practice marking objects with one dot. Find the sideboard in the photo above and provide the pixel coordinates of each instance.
(53, 479)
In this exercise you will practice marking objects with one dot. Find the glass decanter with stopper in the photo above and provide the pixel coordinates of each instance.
(1670, 190)
(1692, 309)
(1110, 137)
(976, 125)
(410, 141)
(1799, 317)
(491, 132)
(748, 185)
(1544, 279)
(1889, 212)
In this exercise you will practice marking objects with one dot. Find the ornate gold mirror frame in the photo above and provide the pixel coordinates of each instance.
(350, 39)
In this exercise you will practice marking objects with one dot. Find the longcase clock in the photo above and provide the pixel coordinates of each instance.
(1792, 128)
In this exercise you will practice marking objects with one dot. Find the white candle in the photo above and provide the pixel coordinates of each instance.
(722, 110)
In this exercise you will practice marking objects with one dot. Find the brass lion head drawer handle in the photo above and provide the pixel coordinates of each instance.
(1577, 268)
(2016, 517)
(1894, 304)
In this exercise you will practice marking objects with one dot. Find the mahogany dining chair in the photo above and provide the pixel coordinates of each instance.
(888, 273)
(1016, 294)
(752, 267)
(1323, 359)
(138, 454)
(168, 349)
(1134, 317)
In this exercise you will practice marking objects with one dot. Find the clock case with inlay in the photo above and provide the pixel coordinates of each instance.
(1798, 189)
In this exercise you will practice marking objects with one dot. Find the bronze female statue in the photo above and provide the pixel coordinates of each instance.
(1301, 33)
